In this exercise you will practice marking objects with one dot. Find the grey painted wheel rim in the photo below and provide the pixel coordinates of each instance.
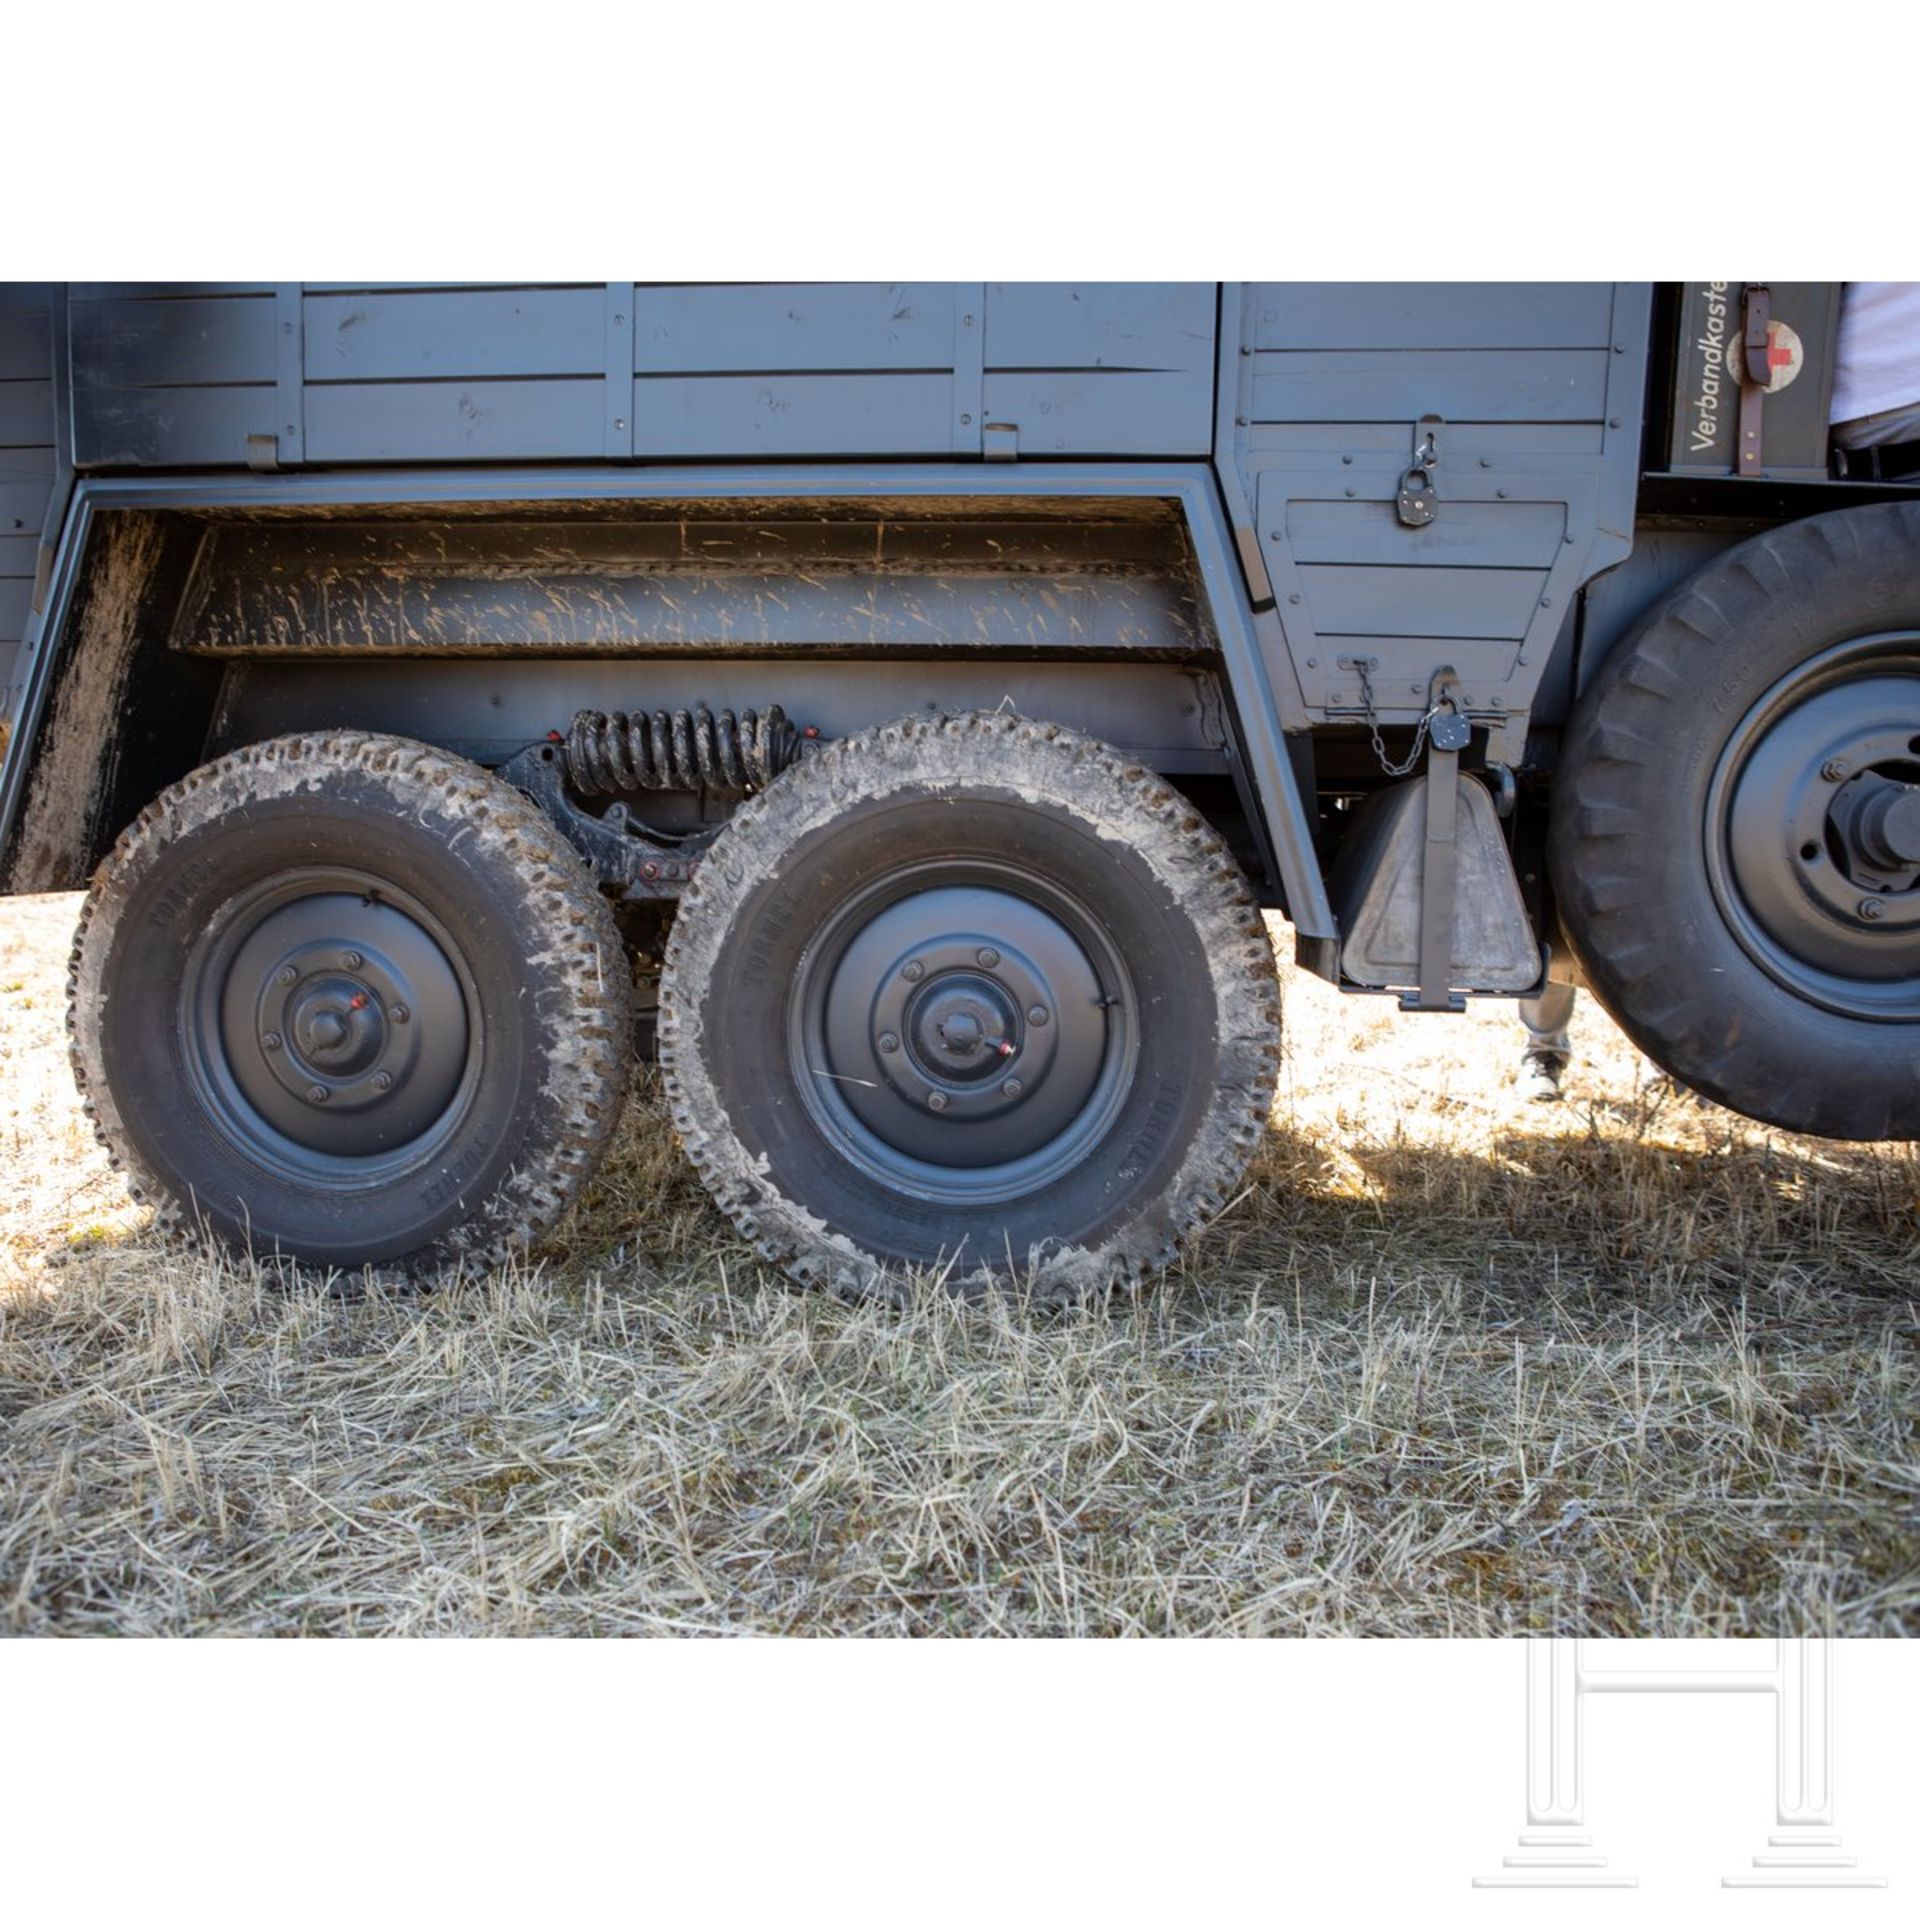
(963, 1031)
(330, 1028)
(1813, 830)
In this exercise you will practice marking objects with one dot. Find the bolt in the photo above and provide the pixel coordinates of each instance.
(1834, 770)
(272, 1042)
(988, 956)
(937, 1101)
(1037, 1016)
(353, 962)
(1872, 908)
(400, 1013)
(913, 970)
(286, 976)
(318, 1095)
(1012, 1089)
(889, 1043)
(383, 1080)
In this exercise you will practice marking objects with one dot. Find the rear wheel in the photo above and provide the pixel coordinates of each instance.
(1736, 829)
(352, 1000)
(974, 998)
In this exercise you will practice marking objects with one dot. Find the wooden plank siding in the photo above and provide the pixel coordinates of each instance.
(26, 460)
(178, 376)
(1337, 380)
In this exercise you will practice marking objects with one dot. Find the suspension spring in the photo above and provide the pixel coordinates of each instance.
(654, 752)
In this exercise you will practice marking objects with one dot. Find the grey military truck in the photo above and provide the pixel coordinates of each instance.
(907, 696)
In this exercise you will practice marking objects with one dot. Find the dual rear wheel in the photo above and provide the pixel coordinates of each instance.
(967, 1002)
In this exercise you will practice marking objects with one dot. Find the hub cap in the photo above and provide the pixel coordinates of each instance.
(1814, 830)
(964, 1033)
(329, 1029)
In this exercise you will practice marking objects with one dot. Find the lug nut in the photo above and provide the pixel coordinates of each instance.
(988, 956)
(287, 976)
(937, 1101)
(1834, 770)
(1872, 908)
(913, 970)
(353, 962)
(889, 1043)
(1012, 1089)
(383, 1080)
(272, 1042)
(399, 1013)
(1036, 1016)
(318, 1095)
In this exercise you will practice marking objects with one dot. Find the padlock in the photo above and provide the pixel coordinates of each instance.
(1447, 731)
(1416, 501)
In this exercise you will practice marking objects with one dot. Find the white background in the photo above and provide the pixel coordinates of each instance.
(1336, 1778)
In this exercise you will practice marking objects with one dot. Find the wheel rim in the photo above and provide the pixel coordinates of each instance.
(1813, 831)
(330, 1028)
(963, 1031)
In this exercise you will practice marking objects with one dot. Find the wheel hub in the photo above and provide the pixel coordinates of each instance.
(1816, 855)
(964, 1030)
(342, 1024)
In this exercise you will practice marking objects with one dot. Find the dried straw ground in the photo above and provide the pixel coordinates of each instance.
(1626, 1365)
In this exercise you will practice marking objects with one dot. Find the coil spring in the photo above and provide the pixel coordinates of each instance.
(656, 752)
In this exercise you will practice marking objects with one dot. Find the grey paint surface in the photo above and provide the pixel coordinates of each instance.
(26, 462)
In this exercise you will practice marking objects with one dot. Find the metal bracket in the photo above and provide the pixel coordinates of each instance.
(1758, 375)
(1417, 502)
(622, 854)
(1448, 731)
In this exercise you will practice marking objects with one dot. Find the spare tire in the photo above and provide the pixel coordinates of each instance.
(1735, 829)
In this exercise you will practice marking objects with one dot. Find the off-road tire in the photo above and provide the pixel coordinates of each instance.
(539, 998)
(1636, 854)
(931, 806)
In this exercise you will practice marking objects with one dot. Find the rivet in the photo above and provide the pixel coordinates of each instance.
(889, 1043)
(1500, 493)
(1350, 493)
(353, 962)
(1484, 461)
(1313, 663)
(619, 426)
(272, 1042)
(1037, 1016)
(966, 419)
(937, 1101)
(1614, 424)
(318, 1095)
(383, 1079)
(1239, 419)
(1293, 599)
(1834, 770)
(1546, 600)
(1872, 908)
(1012, 1089)
(988, 956)
(400, 1013)
(1346, 459)
(287, 976)
(913, 970)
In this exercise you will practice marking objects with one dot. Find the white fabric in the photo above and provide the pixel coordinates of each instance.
(1877, 366)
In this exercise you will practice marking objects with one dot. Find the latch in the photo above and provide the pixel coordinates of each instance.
(1757, 374)
(1416, 503)
(1000, 440)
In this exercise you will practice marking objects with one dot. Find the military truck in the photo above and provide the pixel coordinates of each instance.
(905, 697)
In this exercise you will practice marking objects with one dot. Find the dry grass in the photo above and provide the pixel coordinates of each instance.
(1628, 1365)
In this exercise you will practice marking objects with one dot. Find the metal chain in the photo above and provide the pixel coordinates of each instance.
(1373, 725)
